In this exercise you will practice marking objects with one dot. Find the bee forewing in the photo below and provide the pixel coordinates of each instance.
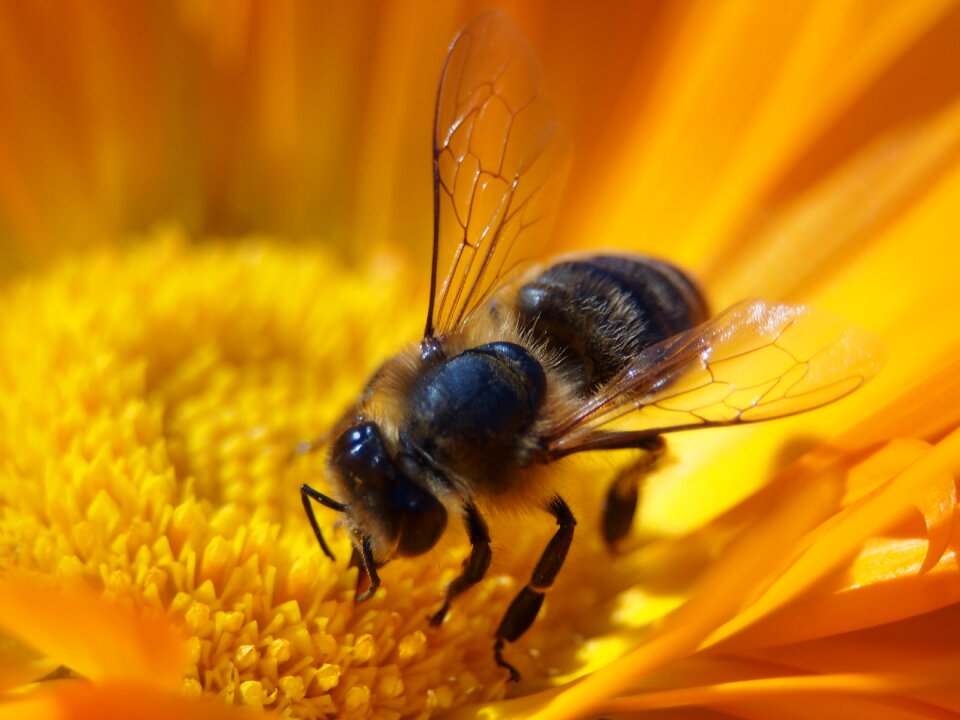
(499, 157)
(755, 361)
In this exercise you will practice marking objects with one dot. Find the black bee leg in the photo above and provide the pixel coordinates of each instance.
(306, 494)
(364, 556)
(620, 505)
(476, 564)
(525, 606)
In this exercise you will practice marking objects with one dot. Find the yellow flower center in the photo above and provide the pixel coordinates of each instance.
(153, 403)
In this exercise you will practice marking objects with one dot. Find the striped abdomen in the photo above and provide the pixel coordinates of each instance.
(599, 312)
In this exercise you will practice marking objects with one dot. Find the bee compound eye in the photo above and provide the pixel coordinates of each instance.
(368, 476)
(423, 522)
(394, 511)
(423, 518)
(358, 446)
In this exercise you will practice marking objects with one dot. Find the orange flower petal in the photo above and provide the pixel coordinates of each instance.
(20, 665)
(119, 700)
(779, 688)
(845, 534)
(710, 146)
(93, 637)
(939, 507)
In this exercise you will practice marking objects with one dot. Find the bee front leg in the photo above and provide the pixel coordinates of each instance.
(476, 564)
(620, 505)
(525, 606)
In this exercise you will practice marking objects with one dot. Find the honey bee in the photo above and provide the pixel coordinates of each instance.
(519, 368)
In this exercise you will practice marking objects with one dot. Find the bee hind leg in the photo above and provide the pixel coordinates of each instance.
(525, 606)
(620, 505)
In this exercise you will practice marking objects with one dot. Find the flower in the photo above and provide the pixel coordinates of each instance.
(153, 387)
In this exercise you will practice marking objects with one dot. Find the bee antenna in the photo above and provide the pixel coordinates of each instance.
(307, 493)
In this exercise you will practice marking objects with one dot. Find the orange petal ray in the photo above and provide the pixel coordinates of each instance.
(77, 700)
(712, 146)
(91, 636)
(844, 536)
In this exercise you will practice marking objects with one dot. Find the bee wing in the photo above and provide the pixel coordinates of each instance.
(755, 361)
(498, 156)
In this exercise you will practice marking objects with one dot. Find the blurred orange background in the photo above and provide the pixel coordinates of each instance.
(312, 120)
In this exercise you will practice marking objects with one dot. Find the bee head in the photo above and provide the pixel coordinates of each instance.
(388, 512)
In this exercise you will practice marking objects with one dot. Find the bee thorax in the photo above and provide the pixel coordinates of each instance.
(468, 413)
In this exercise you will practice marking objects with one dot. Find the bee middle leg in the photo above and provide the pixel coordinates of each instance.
(525, 606)
(476, 564)
(620, 505)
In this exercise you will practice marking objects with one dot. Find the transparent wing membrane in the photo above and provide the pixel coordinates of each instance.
(499, 157)
(756, 361)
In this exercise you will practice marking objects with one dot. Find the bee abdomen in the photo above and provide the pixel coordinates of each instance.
(599, 312)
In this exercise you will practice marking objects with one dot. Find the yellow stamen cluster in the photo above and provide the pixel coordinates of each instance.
(151, 405)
